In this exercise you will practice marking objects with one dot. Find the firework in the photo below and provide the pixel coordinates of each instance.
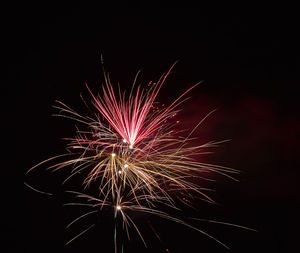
(133, 153)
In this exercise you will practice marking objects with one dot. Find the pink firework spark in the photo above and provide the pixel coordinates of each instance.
(128, 116)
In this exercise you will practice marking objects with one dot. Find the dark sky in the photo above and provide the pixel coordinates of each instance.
(249, 66)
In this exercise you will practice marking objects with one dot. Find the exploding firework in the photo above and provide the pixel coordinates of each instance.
(132, 152)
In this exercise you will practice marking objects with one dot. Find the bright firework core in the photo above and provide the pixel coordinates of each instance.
(118, 207)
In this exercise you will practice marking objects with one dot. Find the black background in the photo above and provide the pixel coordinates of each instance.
(249, 65)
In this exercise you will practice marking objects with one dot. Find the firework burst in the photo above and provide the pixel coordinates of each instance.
(133, 153)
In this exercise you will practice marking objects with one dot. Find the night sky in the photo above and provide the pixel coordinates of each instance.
(249, 67)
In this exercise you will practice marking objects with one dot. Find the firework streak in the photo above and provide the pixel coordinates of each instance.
(131, 151)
